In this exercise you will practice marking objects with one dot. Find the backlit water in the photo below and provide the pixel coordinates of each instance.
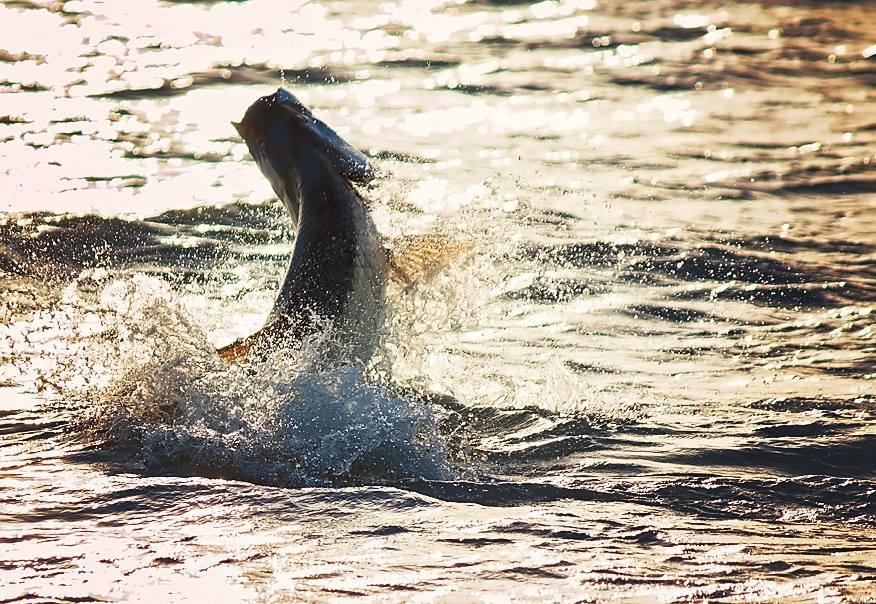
(651, 377)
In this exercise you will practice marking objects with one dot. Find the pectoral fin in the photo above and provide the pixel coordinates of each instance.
(236, 352)
(415, 259)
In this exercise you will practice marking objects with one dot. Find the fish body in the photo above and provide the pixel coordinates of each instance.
(338, 271)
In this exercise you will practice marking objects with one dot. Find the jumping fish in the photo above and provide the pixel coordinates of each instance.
(339, 268)
(338, 271)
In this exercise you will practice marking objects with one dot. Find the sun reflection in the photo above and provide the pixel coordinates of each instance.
(648, 186)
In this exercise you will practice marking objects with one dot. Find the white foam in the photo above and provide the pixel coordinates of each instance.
(151, 382)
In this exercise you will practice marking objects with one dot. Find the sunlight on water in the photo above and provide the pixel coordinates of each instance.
(647, 374)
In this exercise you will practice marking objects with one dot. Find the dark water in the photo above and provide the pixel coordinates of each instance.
(651, 379)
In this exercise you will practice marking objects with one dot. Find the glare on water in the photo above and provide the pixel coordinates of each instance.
(650, 378)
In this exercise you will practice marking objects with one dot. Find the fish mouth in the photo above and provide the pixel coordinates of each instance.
(282, 117)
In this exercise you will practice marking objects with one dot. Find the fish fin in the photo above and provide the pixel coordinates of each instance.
(415, 259)
(237, 351)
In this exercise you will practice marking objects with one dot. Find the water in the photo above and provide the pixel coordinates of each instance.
(651, 378)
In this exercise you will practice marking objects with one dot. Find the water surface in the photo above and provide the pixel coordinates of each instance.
(652, 378)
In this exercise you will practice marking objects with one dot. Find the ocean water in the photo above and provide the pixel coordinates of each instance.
(651, 378)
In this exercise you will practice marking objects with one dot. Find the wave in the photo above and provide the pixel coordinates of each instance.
(195, 241)
(226, 75)
(812, 497)
(742, 269)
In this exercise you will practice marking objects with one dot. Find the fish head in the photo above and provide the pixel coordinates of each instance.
(278, 127)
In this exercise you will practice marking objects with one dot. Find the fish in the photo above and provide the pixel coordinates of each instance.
(338, 272)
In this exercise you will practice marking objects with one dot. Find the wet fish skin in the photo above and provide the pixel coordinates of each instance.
(337, 274)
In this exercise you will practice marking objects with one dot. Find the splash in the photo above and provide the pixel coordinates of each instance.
(445, 337)
(137, 372)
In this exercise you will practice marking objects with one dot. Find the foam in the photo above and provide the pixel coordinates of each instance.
(152, 384)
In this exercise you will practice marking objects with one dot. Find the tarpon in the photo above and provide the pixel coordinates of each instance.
(337, 275)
